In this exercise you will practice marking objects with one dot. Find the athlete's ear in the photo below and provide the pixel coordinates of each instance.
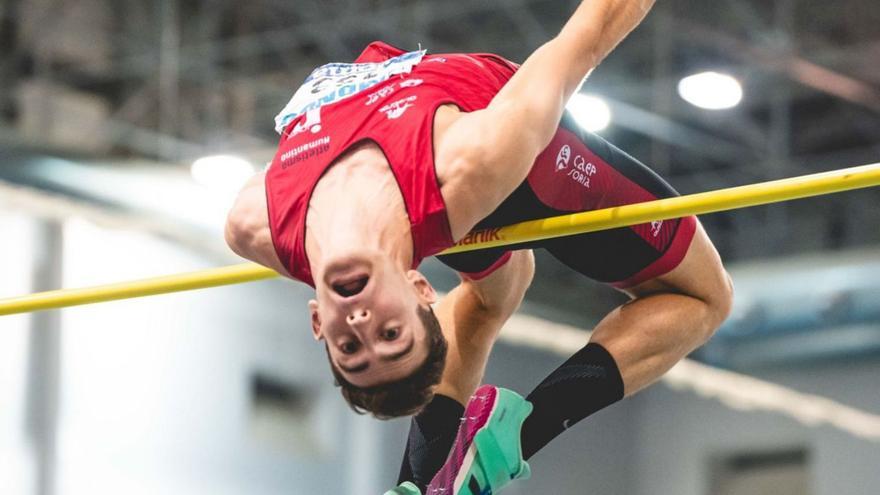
(316, 320)
(423, 288)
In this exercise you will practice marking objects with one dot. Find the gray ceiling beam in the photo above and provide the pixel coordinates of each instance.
(796, 67)
(258, 44)
(664, 129)
(531, 29)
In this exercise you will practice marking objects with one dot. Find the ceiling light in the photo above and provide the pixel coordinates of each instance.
(222, 173)
(711, 90)
(590, 112)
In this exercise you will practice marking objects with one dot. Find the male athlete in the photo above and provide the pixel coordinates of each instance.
(391, 159)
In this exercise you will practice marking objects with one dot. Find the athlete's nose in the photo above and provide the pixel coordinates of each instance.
(358, 316)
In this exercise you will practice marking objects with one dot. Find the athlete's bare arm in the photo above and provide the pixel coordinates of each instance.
(247, 226)
(472, 314)
(488, 153)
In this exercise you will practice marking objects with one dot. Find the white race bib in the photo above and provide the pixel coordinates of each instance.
(334, 82)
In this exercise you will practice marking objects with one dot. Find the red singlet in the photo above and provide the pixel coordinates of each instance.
(351, 103)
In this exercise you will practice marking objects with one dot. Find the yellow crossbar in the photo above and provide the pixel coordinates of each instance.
(576, 223)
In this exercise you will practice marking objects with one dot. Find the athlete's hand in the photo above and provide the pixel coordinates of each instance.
(405, 488)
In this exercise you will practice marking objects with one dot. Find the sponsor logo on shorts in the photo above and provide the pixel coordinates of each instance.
(655, 227)
(397, 108)
(582, 171)
(563, 157)
(480, 236)
(305, 151)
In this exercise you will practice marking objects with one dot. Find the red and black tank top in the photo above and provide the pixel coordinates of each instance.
(386, 96)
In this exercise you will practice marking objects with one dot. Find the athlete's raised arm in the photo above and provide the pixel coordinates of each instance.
(492, 150)
(471, 316)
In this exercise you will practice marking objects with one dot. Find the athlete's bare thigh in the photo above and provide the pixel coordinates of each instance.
(700, 274)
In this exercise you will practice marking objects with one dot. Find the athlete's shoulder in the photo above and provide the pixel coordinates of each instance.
(378, 51)
(247, 230)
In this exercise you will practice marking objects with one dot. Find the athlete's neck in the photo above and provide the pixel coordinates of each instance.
(357, 208)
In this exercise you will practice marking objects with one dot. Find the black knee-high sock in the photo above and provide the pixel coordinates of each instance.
(587, 382)
(431, 435)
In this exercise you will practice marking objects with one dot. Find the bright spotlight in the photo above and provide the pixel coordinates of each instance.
(590, 112)
(711, 90)
(222, 173)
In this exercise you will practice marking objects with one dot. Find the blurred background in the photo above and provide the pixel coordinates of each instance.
(126, 127)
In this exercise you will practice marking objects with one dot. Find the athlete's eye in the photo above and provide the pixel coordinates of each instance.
(390, 333)
(349, 347)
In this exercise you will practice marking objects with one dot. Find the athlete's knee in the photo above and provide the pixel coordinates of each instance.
(706, 279)
(718, 300)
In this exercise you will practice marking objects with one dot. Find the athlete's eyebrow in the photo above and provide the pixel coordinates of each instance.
(398, 355)
(355, 369)
(389, 358)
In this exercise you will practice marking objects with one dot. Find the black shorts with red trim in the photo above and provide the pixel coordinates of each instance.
(580, 171)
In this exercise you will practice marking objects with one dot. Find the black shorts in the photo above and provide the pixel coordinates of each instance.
(580, 171)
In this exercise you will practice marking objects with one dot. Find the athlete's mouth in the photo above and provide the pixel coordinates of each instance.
(351, 287)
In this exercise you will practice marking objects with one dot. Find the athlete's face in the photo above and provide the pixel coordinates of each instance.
(366, 311)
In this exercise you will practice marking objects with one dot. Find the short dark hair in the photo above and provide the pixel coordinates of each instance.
(408, 395)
